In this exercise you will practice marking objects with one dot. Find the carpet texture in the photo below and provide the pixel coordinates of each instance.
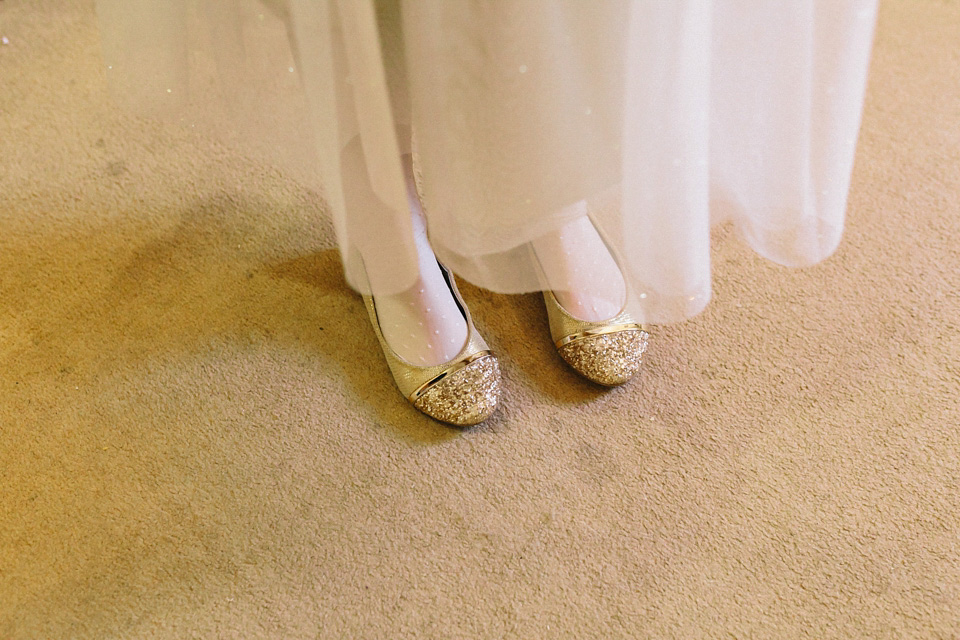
(199, 437)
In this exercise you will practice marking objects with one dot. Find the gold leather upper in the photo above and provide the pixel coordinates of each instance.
(564, 326)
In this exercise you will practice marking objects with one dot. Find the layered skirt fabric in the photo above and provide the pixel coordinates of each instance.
(657, 119)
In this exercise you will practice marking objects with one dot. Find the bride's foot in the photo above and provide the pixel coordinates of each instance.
(585, 295)
(437, 358)
(580, 270)
(423, 324)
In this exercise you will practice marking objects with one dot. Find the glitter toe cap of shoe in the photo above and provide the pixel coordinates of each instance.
(609, 359)
(466, 397)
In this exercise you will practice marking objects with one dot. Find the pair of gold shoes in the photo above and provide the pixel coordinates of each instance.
(466, 390)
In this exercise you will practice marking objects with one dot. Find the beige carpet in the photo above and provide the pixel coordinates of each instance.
(198, 437)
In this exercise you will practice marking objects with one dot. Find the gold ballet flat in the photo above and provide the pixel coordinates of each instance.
(464, 391)
(609, 352)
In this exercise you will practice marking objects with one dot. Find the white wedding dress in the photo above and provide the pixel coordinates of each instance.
(659, 119)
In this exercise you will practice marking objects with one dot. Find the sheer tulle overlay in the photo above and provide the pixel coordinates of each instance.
(657, 119)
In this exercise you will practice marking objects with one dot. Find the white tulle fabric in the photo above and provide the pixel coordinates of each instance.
(663, 117)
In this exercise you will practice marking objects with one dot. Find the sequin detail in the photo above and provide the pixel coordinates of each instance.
(467, 396)
(609, 359)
